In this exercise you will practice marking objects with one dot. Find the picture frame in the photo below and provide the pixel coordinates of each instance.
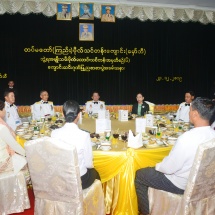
(86, 11)
(86, 32)
(108, 13)
(64, 11)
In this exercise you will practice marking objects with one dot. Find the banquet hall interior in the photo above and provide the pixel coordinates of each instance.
(159, 49)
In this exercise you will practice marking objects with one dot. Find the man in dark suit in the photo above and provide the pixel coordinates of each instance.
(140, 108)
(11, 87)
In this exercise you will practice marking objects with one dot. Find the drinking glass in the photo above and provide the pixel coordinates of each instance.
(107, 134)
(124, 136)
(115, 136)
(158, 134)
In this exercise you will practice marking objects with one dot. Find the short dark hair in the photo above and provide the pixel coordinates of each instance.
(205, 107)
(6, 92)
(71, 110)
(42, 91)
(2, 105)
(95, 92)
(140, 94)
(190, 92)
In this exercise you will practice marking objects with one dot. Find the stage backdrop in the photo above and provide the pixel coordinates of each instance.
(160, 59)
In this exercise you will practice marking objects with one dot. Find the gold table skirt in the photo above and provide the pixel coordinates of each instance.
(26, 110)
(117, 170)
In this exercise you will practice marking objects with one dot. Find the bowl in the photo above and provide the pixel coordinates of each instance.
(105, 147)
(105, 143)
(27, 136)
(25, 125)
(34, 137)
(145, 142)
(36, 132)
(39, 123)
(20, 132)
(159, 142)
(171, 140)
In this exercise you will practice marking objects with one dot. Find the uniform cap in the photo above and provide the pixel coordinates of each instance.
(108, 8)
(64, 6)
(85, 26)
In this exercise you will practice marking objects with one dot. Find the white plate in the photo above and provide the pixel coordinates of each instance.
(27, 137)
(105, 148)
(171, 142)
(105, 143)
(172, 138)
(152, 145)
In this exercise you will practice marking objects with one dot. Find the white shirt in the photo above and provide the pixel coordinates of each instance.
(41, 109)
(213, 125)
(94, 106)
(183, 112)
(12, 117)
(71, 134)
(176, 166)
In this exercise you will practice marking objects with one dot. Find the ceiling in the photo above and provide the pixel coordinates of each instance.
(194, 4)
(202, 11)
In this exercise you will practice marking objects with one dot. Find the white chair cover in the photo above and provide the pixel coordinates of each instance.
(13, 193)
(199, 195)
(56, 179)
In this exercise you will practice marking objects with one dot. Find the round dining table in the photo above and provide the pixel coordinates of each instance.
(117, 167)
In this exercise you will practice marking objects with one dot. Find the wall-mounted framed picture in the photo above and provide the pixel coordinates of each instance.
(86, 11)
(108, 13)
(64, 11)
(86, 31)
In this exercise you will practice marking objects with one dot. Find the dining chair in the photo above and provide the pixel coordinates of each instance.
(56, 180)
(151, 106)
(199, 195)
(13, 193)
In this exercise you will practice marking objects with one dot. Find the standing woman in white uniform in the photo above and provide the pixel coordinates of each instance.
(184, 108)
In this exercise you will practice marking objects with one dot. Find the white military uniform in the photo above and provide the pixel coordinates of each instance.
(61, 15)
(86, 36)
(183, 112)
(12, 117)
(42, 109)
(94, 107)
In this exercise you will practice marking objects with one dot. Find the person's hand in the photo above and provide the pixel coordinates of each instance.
(10, 151)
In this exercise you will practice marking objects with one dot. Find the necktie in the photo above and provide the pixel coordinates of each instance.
(187, 104)
(11, 105)
(45, 102)
(95, 102)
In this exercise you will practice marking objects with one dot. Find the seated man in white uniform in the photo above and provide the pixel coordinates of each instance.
(43, 108)
(12, 117)
(93, 106)
(184, 108)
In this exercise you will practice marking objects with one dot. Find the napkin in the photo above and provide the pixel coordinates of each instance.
(134, 142)
(18, 162)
